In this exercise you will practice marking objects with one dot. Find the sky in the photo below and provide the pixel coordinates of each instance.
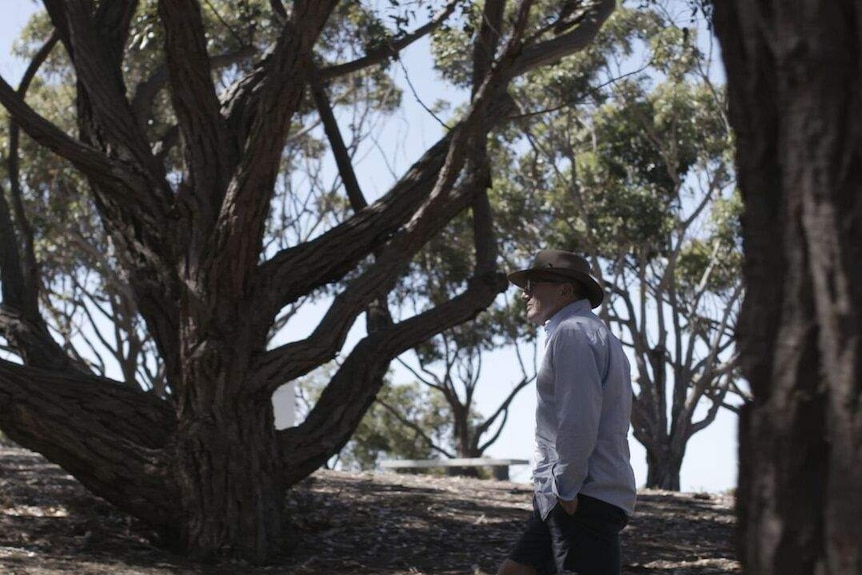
(710, 461)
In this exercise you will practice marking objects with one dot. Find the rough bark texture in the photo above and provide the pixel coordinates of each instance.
(206, 466)
(795, 81)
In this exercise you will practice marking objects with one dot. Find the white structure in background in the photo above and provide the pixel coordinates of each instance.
(284, 406)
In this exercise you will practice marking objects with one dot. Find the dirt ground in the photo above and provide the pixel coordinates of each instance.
(344, 523)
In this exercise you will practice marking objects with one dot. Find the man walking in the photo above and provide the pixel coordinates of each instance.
(584, 483)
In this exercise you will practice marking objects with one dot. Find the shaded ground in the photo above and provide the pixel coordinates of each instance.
(344, 523)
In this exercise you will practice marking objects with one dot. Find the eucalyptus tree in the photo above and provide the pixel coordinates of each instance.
(181, 160)
(794, 89)
(632, 166)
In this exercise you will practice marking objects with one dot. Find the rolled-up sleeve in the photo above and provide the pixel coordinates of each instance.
(578, 406)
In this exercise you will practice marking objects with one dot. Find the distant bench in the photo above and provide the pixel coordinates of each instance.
(500, 467)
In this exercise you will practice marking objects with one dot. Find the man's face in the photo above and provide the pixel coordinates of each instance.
(543, 299)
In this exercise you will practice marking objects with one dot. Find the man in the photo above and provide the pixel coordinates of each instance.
(584, 483)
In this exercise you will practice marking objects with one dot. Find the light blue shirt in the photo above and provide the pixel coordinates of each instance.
(583, 411)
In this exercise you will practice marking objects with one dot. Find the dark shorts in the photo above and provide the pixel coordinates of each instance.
(586, 543)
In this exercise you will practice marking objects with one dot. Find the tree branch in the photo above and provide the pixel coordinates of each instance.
(549, 51)
(239, 230)
(293, 360)
(391, 49)
(335, 253)
(419, 431)
(503, 408)
(87, 159)
(83, 423)
(339, 150)
(332, 420)
(211, 152)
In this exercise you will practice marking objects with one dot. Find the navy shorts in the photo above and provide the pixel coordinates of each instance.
(586, 543)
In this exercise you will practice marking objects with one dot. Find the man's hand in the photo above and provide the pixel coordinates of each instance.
(570, 507)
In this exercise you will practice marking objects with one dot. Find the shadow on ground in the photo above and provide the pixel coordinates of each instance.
(344, 523)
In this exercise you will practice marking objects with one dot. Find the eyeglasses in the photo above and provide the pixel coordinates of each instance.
(528, 287)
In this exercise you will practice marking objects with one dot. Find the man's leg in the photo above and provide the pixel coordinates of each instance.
(532, 553)
(587, 543)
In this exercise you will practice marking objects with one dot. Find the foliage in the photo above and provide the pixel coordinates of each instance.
(631, 164)
(396, 427)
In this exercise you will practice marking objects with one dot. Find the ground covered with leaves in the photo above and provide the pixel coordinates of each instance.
(344, 523)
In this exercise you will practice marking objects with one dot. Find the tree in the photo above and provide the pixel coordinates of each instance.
(184, 193)
(404, 422)
(450, 364)
(632, 166)
(794, 90)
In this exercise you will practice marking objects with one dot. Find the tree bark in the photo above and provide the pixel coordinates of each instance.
(663, 469)
(795, 100)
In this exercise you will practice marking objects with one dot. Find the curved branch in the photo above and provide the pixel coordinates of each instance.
(87, 159)
(299, 270)
(19, 271)
(391, 49)
(329, 425)
(504, 406)
(552, 50)
(292, 360)
(109, 436)
(494, 437)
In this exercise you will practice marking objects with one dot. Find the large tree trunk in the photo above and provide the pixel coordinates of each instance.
(226, 458)
(795, 80)
(229, 473)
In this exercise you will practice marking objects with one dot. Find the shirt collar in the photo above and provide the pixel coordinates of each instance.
(580, 306)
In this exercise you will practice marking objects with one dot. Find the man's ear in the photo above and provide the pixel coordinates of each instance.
(571, 290)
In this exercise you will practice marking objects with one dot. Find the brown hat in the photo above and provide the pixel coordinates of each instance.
(559, 265)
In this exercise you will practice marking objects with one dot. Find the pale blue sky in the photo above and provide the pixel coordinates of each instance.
(710, 462)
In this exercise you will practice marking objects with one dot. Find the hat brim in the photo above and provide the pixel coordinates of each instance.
(594, 291)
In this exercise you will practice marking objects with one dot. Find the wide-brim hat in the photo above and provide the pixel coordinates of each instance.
(560, 265)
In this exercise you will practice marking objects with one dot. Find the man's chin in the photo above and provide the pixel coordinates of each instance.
(534, 318)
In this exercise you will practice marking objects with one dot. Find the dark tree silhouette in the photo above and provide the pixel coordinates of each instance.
(795, 92)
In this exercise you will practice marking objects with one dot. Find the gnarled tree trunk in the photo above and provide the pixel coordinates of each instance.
(206, 465)
(795, 87)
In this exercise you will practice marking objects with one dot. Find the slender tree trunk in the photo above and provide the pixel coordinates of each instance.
(464, 444)
(795, 81)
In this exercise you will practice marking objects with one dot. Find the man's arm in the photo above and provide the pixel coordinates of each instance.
(578, 404)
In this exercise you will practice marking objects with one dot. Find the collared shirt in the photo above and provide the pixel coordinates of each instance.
(583, 412)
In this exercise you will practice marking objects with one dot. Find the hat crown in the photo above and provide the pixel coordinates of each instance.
(559, 265)
(560, 260)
